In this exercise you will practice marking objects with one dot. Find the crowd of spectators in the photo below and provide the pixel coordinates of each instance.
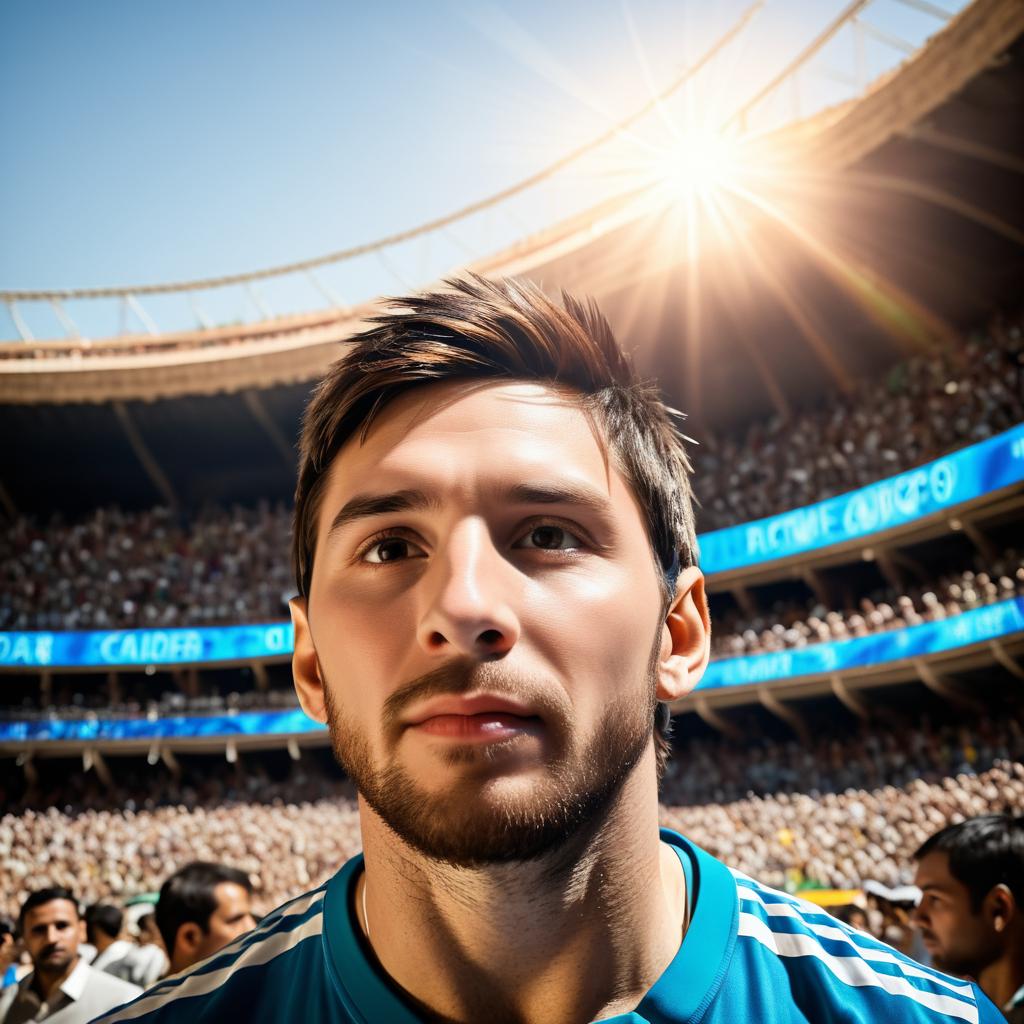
(152, 569)
(848, 808)
(787, 625)
(925, 407)
(95, 706)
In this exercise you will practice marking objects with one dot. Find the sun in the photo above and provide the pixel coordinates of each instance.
(698, 164)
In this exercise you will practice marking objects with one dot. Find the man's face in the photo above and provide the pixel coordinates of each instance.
(51, 933)
(487, 618)
(959, 940)
(232, 917)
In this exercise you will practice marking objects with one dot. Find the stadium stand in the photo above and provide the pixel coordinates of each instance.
(922, 408)
(788, 625)
(154, 568)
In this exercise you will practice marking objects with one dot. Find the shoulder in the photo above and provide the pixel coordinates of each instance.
(100, 981)
(831, 970)
(274, 965)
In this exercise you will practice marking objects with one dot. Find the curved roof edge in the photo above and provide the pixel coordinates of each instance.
(300, 348)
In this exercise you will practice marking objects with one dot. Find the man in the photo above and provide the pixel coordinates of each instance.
(201, 909)
(149, 934)
(495, 553)
(8, 953)
(103, 924)
(971, 913)
(61, 988)
(141, 963)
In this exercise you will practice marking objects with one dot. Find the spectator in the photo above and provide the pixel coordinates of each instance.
(971, 914)
(103, 924)
(202, 908)
(854, 916)
(61, 987)
(8, 953)
(144, 963)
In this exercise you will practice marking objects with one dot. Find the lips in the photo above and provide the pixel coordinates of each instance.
(481, 718)
(463, 706)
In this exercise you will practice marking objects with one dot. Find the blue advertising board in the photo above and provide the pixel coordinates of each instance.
(103, 649)
(974, 626)
(246, 723)
(934, 487)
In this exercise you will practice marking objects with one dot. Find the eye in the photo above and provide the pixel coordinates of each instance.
(549, 537)
(392, 549)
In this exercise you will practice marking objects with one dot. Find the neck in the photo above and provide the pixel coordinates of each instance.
(47, 982)
(1000, 979)
(103, 941)
(579, 934)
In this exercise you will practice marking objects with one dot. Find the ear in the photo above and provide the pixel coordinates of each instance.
(1000, 908)
(309, 684)
(187, 941)
(685, 638)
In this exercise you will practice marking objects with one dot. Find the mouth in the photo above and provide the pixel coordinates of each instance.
(483, 718)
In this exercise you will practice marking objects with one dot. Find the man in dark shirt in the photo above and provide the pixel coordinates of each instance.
(202, 907)
(971, 914)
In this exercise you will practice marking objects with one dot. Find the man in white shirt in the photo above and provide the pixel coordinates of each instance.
(103, 923)
(62, 988)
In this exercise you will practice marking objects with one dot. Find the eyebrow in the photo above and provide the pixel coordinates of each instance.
(365, 505)
(561, 494)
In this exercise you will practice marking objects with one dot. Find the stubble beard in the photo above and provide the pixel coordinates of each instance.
(467, 827)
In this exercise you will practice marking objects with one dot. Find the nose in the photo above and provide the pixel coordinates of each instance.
(468, 613)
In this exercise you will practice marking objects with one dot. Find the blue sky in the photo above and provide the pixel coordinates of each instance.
(153, 141)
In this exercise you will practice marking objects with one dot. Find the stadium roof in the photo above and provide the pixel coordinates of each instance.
(870, 231)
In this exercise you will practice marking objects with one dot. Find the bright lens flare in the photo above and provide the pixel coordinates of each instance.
(699, 164)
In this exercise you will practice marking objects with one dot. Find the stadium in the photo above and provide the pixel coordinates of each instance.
(835, 305)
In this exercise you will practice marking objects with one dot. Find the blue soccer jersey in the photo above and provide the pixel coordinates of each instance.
(750, 954)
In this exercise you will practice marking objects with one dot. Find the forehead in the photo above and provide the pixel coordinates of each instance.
(451, 433)
(230, 894)
(933, 870)
(53, 910)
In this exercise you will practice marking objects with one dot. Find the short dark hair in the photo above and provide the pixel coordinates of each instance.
(48, 895)
(7, 926)
(103, 917)
(189, 896)
(983, 852)
(479, 329)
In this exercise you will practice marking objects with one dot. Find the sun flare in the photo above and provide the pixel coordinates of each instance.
(699, 164)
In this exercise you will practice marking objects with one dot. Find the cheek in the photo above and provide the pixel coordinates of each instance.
(595, 627)
(362, 647)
